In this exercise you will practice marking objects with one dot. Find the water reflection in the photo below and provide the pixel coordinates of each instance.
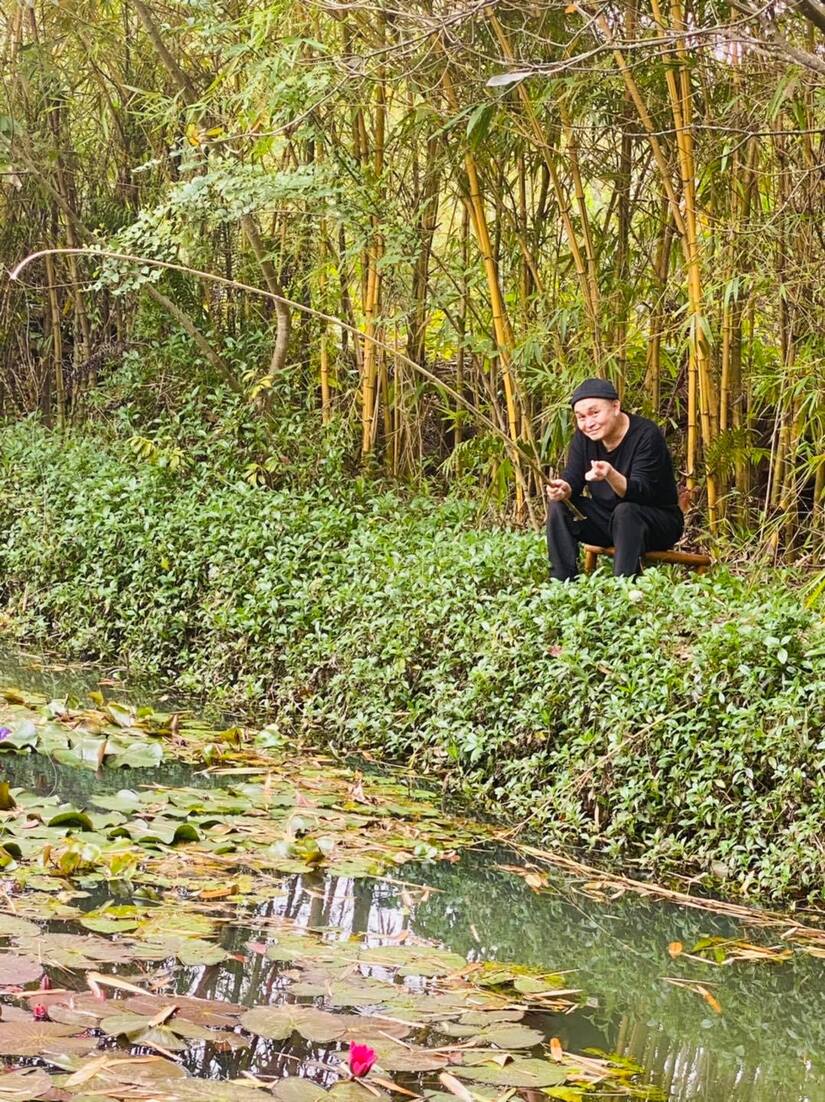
(767, 1045)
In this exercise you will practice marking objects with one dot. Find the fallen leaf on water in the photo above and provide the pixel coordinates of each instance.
(389, 1085)
(455, 1086)
(710, 998)
(532, 877)
(96, 980)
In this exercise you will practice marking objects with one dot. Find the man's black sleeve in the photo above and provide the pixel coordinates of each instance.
(573, 473)
(651, 471)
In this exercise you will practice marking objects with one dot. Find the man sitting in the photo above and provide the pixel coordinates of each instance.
(633, 503)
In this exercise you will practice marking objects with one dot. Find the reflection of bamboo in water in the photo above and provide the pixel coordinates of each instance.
(689, 1072)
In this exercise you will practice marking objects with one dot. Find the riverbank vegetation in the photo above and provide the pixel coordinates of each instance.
(278, 434)
(673, 721)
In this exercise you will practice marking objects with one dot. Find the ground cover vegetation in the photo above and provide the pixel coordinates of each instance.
(673, 720)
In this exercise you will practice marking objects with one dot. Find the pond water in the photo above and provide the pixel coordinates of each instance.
(768, 1042)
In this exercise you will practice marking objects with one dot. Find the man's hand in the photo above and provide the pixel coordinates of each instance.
(558, 490)
(600, 471)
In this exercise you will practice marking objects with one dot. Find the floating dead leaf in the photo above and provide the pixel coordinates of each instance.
(96, 980)
(697, 989)
(390, 1085)
(533, 878)
(710, 999)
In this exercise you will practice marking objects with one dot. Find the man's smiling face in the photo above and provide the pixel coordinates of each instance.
(597, 417)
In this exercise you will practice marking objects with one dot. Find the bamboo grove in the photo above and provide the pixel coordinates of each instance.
(476, 203)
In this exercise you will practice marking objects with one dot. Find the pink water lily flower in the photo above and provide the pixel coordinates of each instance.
(361, 1059)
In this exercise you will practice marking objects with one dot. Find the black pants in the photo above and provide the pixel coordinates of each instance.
(632, 529)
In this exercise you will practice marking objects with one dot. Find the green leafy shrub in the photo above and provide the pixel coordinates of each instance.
(673, 721)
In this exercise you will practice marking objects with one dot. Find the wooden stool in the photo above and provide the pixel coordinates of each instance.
(698, 562)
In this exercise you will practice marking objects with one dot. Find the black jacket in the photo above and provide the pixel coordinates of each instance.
(642, 457)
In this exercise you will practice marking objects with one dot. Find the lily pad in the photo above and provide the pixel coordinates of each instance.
(415, 960)
(72, 818)
(41, 1038)
(73, 950)
(487, 1017)
(296, 1089)
(353, 991)
(205, 1012)
(101, 924)
(160, 830)
(279, 1022)
(371, 1028)
(207, 1090)
(141, 1031)
(531, 985)
(12, 926)
(518, 1073)
(125, 801)
(511, 1036)
(108, 1075)
(18, 971)
(24, 1084)
(191, 951)
(23, 736)
(408, 1058)
(138, 755)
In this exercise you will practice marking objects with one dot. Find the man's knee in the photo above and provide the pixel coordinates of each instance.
(626, 512)
(557, 514)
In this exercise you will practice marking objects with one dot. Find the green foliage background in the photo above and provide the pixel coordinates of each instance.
(672, 721)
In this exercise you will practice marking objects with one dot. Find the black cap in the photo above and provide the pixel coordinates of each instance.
(595, 388)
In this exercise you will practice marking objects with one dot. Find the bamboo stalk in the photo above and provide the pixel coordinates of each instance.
(700, 383)
(370, 391)
(56, 332)
(588, 285)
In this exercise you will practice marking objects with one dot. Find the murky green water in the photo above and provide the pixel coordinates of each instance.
(768, 1043)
